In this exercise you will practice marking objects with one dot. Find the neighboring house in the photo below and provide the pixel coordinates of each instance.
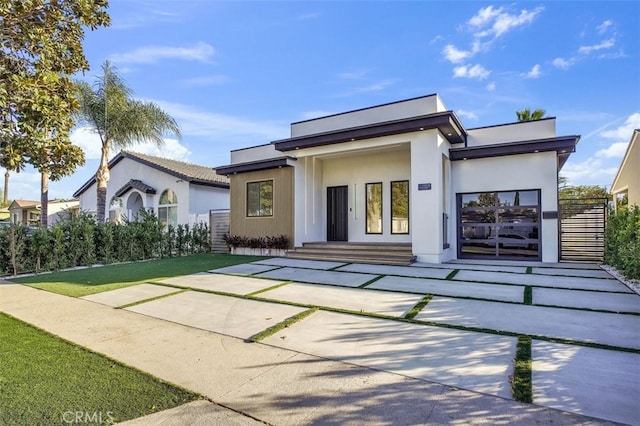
(406, 172)
(627, 180)
(27, 212)
(178, 192)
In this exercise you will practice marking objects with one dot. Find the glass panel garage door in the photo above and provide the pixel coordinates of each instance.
(499, 224)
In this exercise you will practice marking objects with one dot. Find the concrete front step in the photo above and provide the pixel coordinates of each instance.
(378, 253)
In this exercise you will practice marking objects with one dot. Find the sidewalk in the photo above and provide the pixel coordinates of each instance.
(251, 383)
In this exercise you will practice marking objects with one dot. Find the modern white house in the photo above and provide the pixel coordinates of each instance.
(178, 192)
(407, 172)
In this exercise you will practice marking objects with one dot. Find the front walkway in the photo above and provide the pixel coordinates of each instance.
(585, 350)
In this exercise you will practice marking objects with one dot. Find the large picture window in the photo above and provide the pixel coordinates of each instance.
(374, 208)
(400, 207)
(168, 208)
(260, 198)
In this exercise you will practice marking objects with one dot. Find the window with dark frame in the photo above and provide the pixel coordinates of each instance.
(260, 198)
(374, 208)
(400, 207)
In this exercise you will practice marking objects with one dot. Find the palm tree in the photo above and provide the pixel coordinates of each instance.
(120, 121)
(528, 115)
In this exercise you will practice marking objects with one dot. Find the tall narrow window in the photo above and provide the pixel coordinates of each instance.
(260, 198)
(400, 207)
(374, 208)
(168, 208)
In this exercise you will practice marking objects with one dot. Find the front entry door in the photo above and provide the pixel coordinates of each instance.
(337, 213)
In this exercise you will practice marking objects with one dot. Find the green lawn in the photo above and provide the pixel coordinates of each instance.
(82, 282)
(45, 380)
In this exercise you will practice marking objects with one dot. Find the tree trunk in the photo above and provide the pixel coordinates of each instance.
(102, 178)
(5, 196)
(44, 199)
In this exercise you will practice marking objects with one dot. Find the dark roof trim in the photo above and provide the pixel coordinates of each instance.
(366, 108)
(135, 184)
(563, 145)
(253, 166)
(446, 122)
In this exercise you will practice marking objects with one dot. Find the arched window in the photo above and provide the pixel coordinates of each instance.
(168, 208)
(116, 211)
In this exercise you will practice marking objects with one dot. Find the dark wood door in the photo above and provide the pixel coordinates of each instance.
(337, 213)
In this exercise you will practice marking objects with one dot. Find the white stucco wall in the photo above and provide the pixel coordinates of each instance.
(514, 172)
(256, 153)
(376, 114)
(523, 131)
(427, 205)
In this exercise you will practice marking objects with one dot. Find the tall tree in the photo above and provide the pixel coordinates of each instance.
(120, 121)
(41, 46)
(528, 115)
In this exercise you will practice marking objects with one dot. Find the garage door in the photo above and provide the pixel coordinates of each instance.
(501, 224)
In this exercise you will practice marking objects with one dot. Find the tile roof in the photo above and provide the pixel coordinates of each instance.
(25, 204)
(192, 173)
(189, 171)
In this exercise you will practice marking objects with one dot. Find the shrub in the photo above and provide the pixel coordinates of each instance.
(622, 241)
(275, 242)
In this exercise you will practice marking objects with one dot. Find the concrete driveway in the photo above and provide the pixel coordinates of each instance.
(585, 324)
(456, 324)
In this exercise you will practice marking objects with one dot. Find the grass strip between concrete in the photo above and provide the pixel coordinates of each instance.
(529, 270)
(371, 281)
(418, 307)
(452, 274)
(151, 299)
(521, 385)
(528, 295)
(273, 287)
(281, 325)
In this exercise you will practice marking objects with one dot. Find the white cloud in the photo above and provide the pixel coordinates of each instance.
(491, 86)
(475, 72)
(172, 149)
(533, 73)
(562, 63)
(606, 44)
(497, 22)
(87, 139)
(602, 28)
(624, 132)
(222, 128)
(352, 75)
(467, 114)
(615, 150)
(602, 166)
(592, 171)
(484, 16)
(207, 80)
(202, 52)
(455, 55)
(90, 143)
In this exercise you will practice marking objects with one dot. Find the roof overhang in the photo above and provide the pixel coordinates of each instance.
(135, 184)
(446, 122)
(563, 146)
(252, 166)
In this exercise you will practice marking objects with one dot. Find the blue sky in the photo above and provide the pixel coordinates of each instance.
(237, 73)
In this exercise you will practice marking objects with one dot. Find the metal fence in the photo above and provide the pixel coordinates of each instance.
(582, 225)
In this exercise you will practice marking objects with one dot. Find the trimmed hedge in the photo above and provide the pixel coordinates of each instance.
(622, 241)
(82, 241)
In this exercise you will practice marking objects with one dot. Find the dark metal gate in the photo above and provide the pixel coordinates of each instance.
(582, 223)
